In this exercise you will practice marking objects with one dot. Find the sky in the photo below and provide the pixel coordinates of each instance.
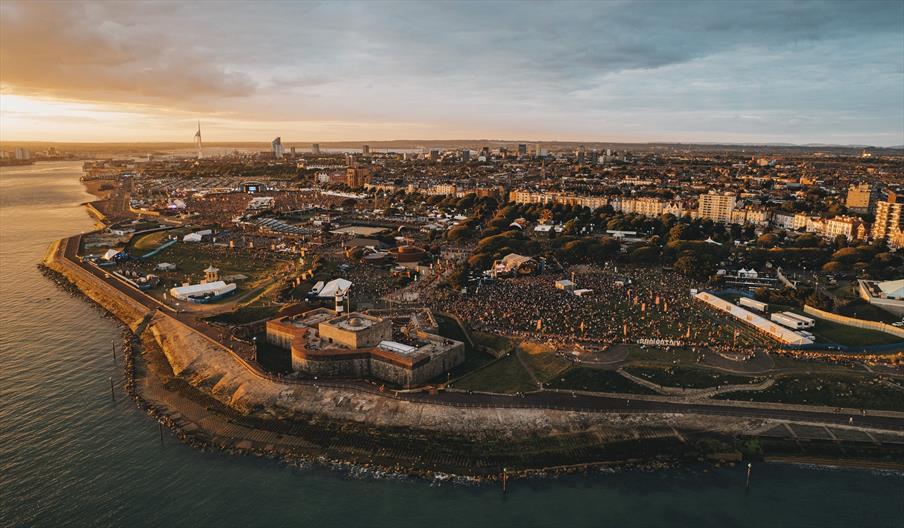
(619, 71)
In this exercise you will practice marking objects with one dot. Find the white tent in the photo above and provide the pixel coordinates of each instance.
(111, 254)
(196, 236)
(335, 287)
(893, 289)
(217, 288)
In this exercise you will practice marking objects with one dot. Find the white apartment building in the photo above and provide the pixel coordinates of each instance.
(716, 207)
(889, 220)
(547, 197)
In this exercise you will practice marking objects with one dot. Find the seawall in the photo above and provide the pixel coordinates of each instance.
(119, 305)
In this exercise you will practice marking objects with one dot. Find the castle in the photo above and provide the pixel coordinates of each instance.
(399, 348)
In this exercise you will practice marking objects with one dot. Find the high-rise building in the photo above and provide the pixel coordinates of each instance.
(465, 155)
(538, 150)
(889, 219)
(365, 150)
(356, 177)
(579, 154)
(861, 198)
(198, 144)
(277, 148)
(315, 148)
(716, 206)
(434, 155)
(23, 154)
(522, 150)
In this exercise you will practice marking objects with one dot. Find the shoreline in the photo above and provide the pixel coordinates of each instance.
(635, 457)
(147, 352)
(134, 362)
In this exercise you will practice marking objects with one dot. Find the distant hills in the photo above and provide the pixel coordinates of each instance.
(162, 147)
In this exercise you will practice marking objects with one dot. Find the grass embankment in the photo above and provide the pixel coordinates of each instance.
(473, 359)
(588, 379)
(516, 371)
(661, 355)
(502, 345)
(245, 315)
(506, 375)
(831, 390)
(688, 377)
(151, 241)
(863, 310)
(828, 331)
(542, 360)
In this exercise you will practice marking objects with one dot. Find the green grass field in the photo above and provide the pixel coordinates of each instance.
(661, 355)
(506, 375)
(588, 379)
(194, 258)
(687, 377)
(473, 358)
(150, 241)
(863, 310)
(541, 360)
(496, 342)
(832, 390)
(848, 335)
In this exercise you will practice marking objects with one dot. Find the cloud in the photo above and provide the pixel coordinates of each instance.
(559, 69)
(105, 53)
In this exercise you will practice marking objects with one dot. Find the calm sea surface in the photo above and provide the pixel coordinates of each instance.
(70, 456)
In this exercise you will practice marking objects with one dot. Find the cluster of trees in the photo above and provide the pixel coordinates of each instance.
(684, 243)
(794, 297)
(874, 261)
(494, 247)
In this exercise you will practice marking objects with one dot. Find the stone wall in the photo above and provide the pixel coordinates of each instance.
(857, 323)
(333, 368)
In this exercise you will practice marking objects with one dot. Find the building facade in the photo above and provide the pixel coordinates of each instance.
(716, 207)
(889, 219)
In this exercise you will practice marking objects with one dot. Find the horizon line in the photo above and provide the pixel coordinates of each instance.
(189, 144)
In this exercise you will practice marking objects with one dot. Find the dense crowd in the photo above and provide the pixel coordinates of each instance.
(625, 306)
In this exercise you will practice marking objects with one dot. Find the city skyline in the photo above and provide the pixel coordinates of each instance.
(800, 73)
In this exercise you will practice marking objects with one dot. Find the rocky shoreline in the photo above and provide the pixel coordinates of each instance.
(131, 353)
(636, 457)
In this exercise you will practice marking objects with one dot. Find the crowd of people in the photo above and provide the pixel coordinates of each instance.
(626, 305)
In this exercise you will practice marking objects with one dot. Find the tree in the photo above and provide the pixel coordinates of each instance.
(846, 255)
(767, 241)
(834, 266)
(688, 265)
(678, 232)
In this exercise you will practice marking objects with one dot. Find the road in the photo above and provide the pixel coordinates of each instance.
(538, 400)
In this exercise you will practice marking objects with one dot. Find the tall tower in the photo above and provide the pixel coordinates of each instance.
(277, 147)
(198, 140)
